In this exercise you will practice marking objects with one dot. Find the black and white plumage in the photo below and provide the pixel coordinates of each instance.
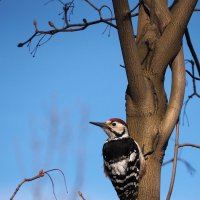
(124, 163)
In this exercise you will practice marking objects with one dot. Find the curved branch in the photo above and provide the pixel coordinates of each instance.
(171, 40)
(189, 145)
(176, 99)
(174, 163)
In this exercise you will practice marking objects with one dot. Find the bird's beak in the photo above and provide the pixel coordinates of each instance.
(100, 124)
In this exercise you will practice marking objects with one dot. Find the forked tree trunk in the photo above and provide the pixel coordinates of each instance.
(150, 117)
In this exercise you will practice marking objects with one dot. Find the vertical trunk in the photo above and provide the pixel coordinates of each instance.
(145, 102)
(150, 120)
(144, 129)
(150, 184)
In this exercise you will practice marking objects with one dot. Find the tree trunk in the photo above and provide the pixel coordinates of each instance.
(150, 118)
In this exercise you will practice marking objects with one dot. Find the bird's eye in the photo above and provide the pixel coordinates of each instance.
(113, 124)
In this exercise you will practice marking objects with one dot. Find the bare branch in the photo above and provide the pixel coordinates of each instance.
(177, 146)
(40, 174)
(190, 45)
(194, 81)
(174, 163)
(29, 40)
(81, 195)
(172, 36)
(189, 167)
(133, 9)
(188, 72)
(63, 175)
(54, 194)
(195, 93)
(69, 28)
(134, 14)
(189, 145)
(138, 89)
(176, 98)
(99, 10)
(92, 5)
(184, 111)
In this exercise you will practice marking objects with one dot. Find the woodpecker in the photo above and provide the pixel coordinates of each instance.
(124, 162)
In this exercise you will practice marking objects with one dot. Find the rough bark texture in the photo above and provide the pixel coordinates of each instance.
(151, 119)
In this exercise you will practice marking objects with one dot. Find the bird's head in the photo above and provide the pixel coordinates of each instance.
(113, 127)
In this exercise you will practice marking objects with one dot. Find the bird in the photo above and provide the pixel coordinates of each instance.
(124, 162)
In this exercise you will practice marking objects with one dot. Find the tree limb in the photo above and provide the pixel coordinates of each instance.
(160, 14)
(171, 39)
(174, 163)
(137, 87)
(176, 99)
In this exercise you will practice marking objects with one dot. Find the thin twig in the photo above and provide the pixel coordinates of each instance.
(190, 74)
(54, 194)
(190, 45)
(52, 1)
(189, 167)
(92, 5)
(40, 174)
(184, 111)
(134, 14)
(99, 10)
(133, 9)
(189, 145)
(174, 163)
(81, 195)
(68, 28)
(195, 93)
(62, 175)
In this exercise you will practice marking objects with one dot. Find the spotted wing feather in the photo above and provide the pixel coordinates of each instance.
(122, 165)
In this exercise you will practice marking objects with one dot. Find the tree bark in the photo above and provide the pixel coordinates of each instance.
(150, 118)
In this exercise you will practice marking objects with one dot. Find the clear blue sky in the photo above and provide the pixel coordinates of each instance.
(78, 78)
